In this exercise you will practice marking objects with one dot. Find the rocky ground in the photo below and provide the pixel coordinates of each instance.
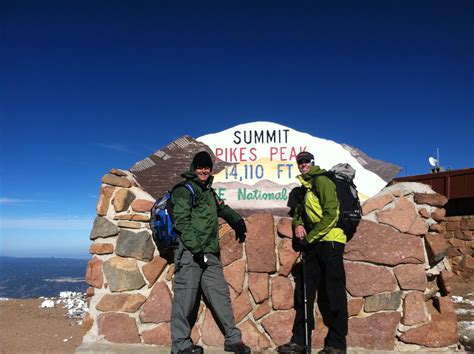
(27, 327)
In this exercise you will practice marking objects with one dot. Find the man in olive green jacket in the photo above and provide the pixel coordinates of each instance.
(197, 261)
(322, 244)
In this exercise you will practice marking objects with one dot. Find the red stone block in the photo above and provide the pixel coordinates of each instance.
(434, 199)
(152, 270)
(121, 302)
(375, 332)
(284, 228)
(160, 335)
(230, 248)
(258, 286)
(441, 332)
(260, 243)
(235, 274)
(252, 336)
(210, 332)
(376, 203)
(142, 205)
(94, 275)
(261, 310)
(241, 306)
(282, 293)
(287, 257)
(354, 306)
(278, 325)
(364, 279)
(414, 308)
(118, 328)
(157, 307)
(375, 243)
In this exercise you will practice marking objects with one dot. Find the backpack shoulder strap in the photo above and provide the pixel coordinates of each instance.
(217, 199)
(190, 188)
(314, 188)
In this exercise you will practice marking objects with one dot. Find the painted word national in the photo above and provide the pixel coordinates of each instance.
(258, 144)
(256, 194)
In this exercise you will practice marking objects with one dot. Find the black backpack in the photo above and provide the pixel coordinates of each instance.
(350, 211)
(162, 222)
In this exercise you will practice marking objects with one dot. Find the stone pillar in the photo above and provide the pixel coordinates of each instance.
(394, 265)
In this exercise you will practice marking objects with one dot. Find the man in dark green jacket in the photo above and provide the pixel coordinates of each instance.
(197, 261)
(322, 244)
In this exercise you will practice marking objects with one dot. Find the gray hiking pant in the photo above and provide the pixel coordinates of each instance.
(189, 281)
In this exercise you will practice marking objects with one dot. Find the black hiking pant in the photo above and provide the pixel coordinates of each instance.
(324, 274)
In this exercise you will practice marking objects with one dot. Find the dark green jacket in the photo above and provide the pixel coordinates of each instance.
(319, 215)
(199, 225)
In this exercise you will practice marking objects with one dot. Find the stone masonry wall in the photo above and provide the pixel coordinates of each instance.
(459, 231)
(397, 275)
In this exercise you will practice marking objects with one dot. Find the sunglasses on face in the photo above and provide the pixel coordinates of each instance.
(302, 162)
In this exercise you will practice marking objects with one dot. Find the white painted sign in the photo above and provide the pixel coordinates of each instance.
(262, 169)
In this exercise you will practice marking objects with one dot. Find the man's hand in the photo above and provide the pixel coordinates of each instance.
(300, 232)
(240, 230)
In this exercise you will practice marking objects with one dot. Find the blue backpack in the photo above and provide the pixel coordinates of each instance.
(162, 222)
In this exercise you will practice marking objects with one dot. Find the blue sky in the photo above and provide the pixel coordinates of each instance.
(91, 85)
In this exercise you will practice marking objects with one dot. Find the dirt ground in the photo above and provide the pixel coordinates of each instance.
(26, 328)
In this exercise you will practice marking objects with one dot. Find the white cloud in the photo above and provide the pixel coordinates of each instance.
(6, 200)
(47, 223)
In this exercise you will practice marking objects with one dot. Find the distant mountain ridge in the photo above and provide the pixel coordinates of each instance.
(160, 171)
(35, 277)
(383, 169)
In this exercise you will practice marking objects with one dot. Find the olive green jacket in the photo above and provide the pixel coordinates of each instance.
(198, 225)
(319, 215)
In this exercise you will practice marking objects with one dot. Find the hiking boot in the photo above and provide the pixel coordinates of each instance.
(239, 348)
(291, 347)
(194, 349)
(332, 350)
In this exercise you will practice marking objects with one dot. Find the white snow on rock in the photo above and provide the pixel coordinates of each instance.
(74, 302)
(459, 299)
(47, 304)
(465, 312)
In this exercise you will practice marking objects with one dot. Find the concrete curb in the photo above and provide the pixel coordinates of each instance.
(106, 347)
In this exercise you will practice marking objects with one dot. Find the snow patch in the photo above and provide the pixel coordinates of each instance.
(460, 300)
(47, 304)
(73, 301)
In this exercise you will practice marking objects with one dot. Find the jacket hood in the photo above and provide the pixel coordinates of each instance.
(315, 170)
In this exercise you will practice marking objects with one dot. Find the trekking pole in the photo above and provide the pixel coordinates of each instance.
(305, 300)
